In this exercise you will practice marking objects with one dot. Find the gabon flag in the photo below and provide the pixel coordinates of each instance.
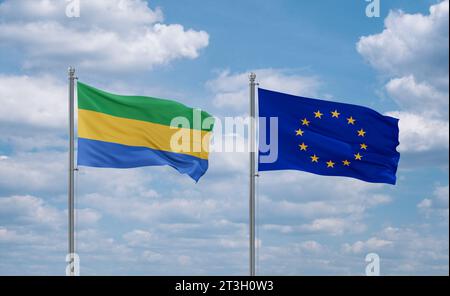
(116, 131)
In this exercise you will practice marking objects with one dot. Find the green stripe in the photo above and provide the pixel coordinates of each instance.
(134, 107)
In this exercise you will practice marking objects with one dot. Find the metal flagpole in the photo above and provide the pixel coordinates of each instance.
(71, 201)
(252, 145)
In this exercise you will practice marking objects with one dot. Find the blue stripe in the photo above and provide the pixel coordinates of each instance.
(101, 154)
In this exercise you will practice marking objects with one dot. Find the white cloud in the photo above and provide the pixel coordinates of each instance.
(412, 52)
(420, 132)
(229, 162)
(151, 256)
(441, 196)
(139, 209)
(410, 43)
(425, 204)
(39, 102)
(94, 243)
(285, 229)
(128, 12)
(313, 205)
(114, 35)
(420, 97)
(33, 117)
(138, 237)
(437, 205)
(35, 212)
(404, 250)
(318, 196)
(333, 226)
(371, 245)
(87, 216)
(133, 182)
(377, 199)
(312, 246)
(34, 172)
(231, 89)
(233, 243)
(30, 210)
(419, 251)
(12, 236)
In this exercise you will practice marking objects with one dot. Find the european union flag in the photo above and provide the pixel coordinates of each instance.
(329, 138)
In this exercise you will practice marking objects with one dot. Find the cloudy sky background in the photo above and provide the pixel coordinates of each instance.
(153, 221)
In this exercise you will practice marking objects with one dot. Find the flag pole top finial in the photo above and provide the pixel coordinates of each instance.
(252, 77)
(71, 71)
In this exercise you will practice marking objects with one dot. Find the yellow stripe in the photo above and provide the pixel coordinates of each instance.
(103, 127)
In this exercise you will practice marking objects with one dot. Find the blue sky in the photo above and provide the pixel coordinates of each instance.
(152, 221)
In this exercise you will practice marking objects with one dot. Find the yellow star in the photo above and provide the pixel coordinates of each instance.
(335, 114)
(363, 146)
(314, 158)
(299, 132)
(330, 164)
(305, 122)
(303, 147)
(358, 156)
(351, 120)
(346, 163)
(361, 133)
(318, 114)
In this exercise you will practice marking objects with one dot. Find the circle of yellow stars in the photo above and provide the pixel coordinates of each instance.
(361, 133)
